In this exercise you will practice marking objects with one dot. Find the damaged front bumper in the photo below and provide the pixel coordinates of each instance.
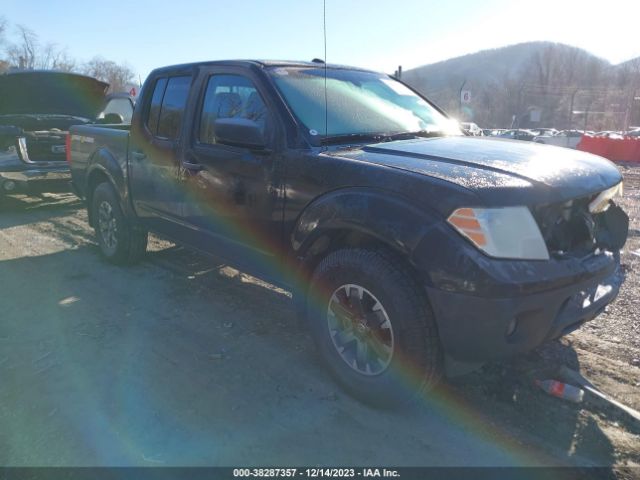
(489, 309)
(477, 329)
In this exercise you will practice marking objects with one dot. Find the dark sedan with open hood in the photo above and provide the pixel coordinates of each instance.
(36, 110)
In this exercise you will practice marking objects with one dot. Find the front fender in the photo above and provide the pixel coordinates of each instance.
(384, 215)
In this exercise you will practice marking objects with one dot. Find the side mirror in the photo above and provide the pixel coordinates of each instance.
(111, 118)
(240, 132)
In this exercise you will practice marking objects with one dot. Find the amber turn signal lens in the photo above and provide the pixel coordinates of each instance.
(465, 221)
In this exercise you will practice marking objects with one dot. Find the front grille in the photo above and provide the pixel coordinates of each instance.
(568, 228)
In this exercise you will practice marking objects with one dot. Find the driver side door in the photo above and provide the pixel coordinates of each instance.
(234, 201)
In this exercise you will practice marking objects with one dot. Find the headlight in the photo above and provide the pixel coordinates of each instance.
(601, 202)
(509, 232)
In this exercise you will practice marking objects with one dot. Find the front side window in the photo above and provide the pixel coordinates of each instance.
(230, 96)
(358, 103)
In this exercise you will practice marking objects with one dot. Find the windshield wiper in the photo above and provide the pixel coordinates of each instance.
(417, 134)
(380, 137)
(353, 137)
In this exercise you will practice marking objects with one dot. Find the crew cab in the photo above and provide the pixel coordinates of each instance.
(36, 110)
(412, 250)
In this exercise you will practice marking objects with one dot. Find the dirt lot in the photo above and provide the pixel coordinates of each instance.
(181, 361)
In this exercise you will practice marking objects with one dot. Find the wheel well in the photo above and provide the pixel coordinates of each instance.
(333, 240)
(96, 178)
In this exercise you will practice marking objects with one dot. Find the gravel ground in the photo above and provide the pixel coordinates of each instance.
(606, 351)
(620, 325)
(181, 361)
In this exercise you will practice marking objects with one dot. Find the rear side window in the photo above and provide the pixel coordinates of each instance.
(172, 109)
(154, 107)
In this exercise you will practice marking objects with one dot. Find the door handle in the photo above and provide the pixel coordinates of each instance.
(137, 155)
(192, 167)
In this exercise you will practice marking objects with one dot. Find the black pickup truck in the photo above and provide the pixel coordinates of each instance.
(36, 110)
(414, 250)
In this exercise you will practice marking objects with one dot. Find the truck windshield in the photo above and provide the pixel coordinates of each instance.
(360, 104)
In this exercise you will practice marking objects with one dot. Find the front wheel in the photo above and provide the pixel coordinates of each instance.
(373, 326)
(120, 242)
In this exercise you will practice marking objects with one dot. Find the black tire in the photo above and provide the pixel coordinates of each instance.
(126, 244)
(415, 363)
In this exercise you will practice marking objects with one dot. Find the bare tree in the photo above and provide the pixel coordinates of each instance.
(117, 76)
(54, 58)
(27, 52)
(4, 65)
(3, 29)
(23, 52)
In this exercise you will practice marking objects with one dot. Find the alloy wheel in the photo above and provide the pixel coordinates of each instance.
(360, 329)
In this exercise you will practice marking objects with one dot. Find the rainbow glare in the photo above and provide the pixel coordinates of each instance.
(226, 219)
(115, 445)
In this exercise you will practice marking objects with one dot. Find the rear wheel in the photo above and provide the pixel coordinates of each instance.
(373, 326)
(120, 242)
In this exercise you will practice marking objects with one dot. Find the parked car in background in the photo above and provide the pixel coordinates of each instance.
(36, 110)
(609, 134)
(471, 128)
(546, 131)
(633, 133)
(494, 132)
(518, 134)
(564, 138)
(410, 247)
(118, 108)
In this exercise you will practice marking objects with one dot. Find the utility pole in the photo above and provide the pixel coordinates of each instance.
(517, 116)
(573, 96)
(627, 116)
(460, 98)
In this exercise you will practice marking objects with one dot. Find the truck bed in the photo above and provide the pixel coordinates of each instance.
(88, 141)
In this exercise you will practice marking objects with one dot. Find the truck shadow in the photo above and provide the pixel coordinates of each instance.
(506, 391)
(182, 361)
(22, 210)
(502, 392)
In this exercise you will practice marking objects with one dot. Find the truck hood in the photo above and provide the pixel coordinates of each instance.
(499, 171)
(51, 93)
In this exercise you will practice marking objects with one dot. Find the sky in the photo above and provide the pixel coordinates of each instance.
(375, 34)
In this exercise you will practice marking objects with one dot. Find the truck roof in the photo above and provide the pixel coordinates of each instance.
(256, 63)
